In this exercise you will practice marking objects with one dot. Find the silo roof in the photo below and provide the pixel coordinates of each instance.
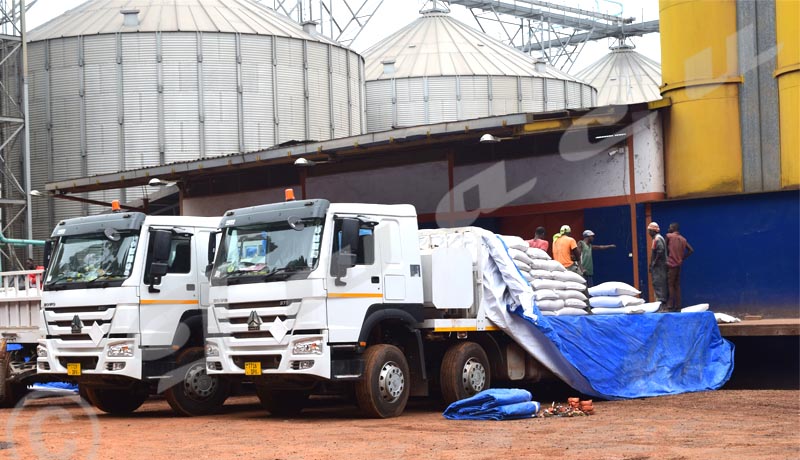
(232, 16)
(436, 44)
(624, 76)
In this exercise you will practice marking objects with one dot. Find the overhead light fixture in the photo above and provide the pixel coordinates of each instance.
(156, 182)
(491, 139)
(306, 163)
(36, 193)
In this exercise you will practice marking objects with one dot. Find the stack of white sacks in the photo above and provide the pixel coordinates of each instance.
(616, 298)
(558, 291)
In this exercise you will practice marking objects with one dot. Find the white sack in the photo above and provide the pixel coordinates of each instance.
(516, 254)
(549, 265)
(536, 253)
(569, 276)
(522, 266)
(695, 308)
(569, 311)
(606, 302)
(542, 274)
(613, 288)
(575, 303)
(550, 305)
(546, 294)
(571, 294)
(548, 284)
(514, 242)
(629, 300)
(651, 307)
(575, 286)
(608, 311)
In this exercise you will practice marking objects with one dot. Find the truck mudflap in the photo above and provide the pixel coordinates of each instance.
(347, 369)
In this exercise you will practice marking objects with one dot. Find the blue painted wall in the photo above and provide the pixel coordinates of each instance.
(747, 252)
(613, 226)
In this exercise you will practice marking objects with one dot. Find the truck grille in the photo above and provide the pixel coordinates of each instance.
(265, 319)
(86, 362)
(252, 335)
(256, 305)
(82, 309)
(267, 361)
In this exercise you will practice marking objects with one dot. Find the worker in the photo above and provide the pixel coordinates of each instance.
(538, 240)
(678, 250)
(585, 246)
(565, 250)
(658, 264)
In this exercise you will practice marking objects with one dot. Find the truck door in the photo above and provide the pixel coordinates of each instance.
(351, 295)
(163, 304)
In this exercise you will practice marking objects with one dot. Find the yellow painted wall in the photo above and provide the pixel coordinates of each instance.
(787, 24)
(703, 152)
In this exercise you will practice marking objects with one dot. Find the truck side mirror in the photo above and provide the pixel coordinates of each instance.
(159, 265)
(212, 246)
(345, 258)
(48, 251)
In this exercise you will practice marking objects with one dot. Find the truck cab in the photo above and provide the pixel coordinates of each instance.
(309, 296)
(123, 308)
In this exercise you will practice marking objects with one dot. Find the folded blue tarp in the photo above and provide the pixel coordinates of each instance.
(494, 404)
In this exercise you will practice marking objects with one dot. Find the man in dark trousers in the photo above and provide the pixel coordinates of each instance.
(585, 246)
(658, 264)
(678, 249)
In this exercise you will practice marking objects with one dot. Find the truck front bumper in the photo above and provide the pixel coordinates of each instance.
(78, 360)
(304, 355)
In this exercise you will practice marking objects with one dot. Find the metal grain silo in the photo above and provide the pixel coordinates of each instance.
(123, 84)
(438, 69)
(623, 77)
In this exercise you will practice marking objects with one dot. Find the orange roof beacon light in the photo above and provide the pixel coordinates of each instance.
(115, 206)
(289, 194)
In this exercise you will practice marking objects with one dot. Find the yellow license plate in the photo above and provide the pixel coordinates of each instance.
(73, 368)
(252, 368)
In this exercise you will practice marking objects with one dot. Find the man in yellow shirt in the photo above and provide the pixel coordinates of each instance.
(565, 250)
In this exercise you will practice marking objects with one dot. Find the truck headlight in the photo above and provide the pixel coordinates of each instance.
(211, 350)
(307, 347)
(41, 351)
(120, 350)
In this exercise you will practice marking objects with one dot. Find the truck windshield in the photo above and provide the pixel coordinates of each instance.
(268, 252)
(89, 261)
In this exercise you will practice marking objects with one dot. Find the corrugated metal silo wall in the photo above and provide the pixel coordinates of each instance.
(106, 103)
(416, 101)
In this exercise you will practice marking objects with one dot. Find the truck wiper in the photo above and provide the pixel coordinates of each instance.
(286, 271)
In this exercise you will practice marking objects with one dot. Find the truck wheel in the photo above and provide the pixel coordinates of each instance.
(197, 393)
(282, 403)
(465, 372)
(383, 391)
(117, 401)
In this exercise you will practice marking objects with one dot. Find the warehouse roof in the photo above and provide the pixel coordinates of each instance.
(624, 76)
(113, 16)
(436, 45)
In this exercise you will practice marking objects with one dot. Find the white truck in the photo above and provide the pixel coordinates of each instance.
(309, 296)
(20, 298)
(123, 311)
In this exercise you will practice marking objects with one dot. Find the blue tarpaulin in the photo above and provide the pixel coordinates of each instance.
(494, 404)
(631, 356)
(608, 356)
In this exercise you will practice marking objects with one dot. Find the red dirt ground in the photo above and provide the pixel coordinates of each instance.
(730, 424)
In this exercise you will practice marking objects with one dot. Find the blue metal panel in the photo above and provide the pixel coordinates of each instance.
(747, 252)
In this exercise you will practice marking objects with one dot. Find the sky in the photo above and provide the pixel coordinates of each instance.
(394, 14)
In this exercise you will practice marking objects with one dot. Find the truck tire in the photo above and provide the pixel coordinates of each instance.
(465, 372)
(384, 389)
(282, 403)
(117, 401)
(197, 393)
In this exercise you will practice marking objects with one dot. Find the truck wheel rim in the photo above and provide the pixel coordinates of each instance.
(391, 382)
(198, 384)
(473, 376)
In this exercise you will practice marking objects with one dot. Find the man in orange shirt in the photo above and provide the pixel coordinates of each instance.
(565, 250)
